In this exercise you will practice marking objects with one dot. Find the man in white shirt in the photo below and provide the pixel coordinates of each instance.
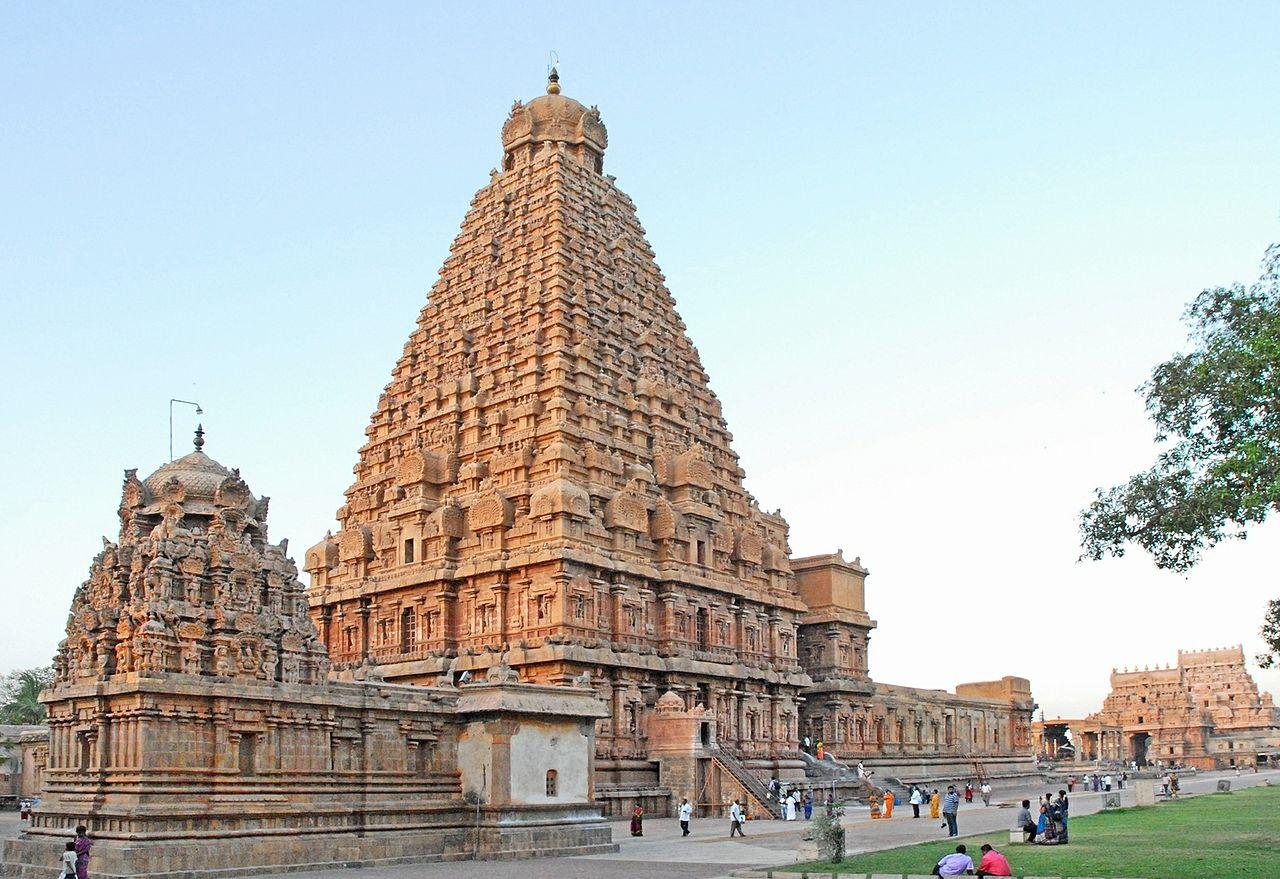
(686, 812)
(986, 793)
(735, 820)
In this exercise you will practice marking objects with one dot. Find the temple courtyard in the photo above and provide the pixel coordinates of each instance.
(708, 853)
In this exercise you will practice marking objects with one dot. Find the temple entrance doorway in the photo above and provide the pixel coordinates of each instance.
(1138, 744)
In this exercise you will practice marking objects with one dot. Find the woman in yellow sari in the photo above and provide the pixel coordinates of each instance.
(934, 799)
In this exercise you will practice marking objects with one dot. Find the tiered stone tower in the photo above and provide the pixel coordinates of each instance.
(1206, 711)
(192, 701)
(548, 471)
(548, 478)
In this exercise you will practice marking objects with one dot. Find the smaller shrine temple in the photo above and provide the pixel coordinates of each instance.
(192, 701)
(1206, 711)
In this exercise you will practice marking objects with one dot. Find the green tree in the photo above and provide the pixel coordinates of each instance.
(1217, 416)
(20, 695)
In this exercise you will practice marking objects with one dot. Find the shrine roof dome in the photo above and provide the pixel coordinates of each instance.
(199, 474)
(554, 117)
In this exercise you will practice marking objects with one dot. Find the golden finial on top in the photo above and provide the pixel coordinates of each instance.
(553, 82)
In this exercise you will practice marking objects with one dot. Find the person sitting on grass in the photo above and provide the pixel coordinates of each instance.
(956, 864)
(993, 863)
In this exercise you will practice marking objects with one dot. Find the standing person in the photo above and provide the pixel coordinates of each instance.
(69, 861)
(775, 789)
(862, 770)
(986, 793)
(1071, 783)
(916, 799)
(790, 811)
(993, 863)
(83, 844)
(1124, 776)
(831, 805)
(686, 812)
(1164, 784)
(808, 805)
(951, 805)
(968, 792)
(820, 750)
(808, 744)
(934, 802)
(1106, 782)
(888, 804)
(637, 821)
(735, 820)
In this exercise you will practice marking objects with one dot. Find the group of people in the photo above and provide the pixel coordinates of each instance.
(1049, 827)
(1098, 782)
(792, 802)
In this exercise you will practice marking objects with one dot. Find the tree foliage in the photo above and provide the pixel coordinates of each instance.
(20, 695)
(1217, 416)
(829, 833)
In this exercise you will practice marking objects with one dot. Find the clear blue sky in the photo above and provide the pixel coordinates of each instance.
(926, 252)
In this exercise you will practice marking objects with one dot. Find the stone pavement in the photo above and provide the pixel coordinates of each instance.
(708, 853)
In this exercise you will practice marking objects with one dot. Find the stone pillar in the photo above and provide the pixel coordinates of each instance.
(366, 608)
(739, 633)
(617, 590)
(500, 591)
(668, 633)
(500, 732)
(773, 635)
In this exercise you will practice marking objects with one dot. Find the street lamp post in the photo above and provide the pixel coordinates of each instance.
(173, 400)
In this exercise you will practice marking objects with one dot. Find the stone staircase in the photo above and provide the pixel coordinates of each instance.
(747, 780)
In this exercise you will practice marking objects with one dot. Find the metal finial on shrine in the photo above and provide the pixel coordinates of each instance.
(199, 440)
(553, 82)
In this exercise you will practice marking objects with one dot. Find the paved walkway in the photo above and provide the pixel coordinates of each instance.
(708, 853)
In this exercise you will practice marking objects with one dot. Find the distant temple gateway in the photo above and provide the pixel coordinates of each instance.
(1205, 711)
(548, 478)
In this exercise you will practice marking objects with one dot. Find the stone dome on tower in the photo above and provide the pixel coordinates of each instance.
(199, 474)
(553, 119)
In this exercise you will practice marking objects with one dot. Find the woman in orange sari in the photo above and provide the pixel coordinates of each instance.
(933, 804)
(888, 804)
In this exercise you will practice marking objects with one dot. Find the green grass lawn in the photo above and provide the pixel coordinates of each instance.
(1217, 836)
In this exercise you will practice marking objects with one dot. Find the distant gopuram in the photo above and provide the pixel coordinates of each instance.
(1206, 712)
(548, 477)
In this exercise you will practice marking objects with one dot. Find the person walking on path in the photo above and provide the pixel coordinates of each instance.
(968, 792)
(789, 807)
(808, 805)
(1106, 782)
(686, 812)
(951, 805)
(916, 799)
(888, 804)
(735, 820)
(1071, 783)
(83, 844)
(934, 802)
(986, 793)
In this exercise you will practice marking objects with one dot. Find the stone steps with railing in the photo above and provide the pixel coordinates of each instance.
(747, 780)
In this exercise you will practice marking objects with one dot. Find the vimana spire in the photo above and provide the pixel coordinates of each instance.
(548, 484)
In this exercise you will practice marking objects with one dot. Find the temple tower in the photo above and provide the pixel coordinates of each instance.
(548, 472)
